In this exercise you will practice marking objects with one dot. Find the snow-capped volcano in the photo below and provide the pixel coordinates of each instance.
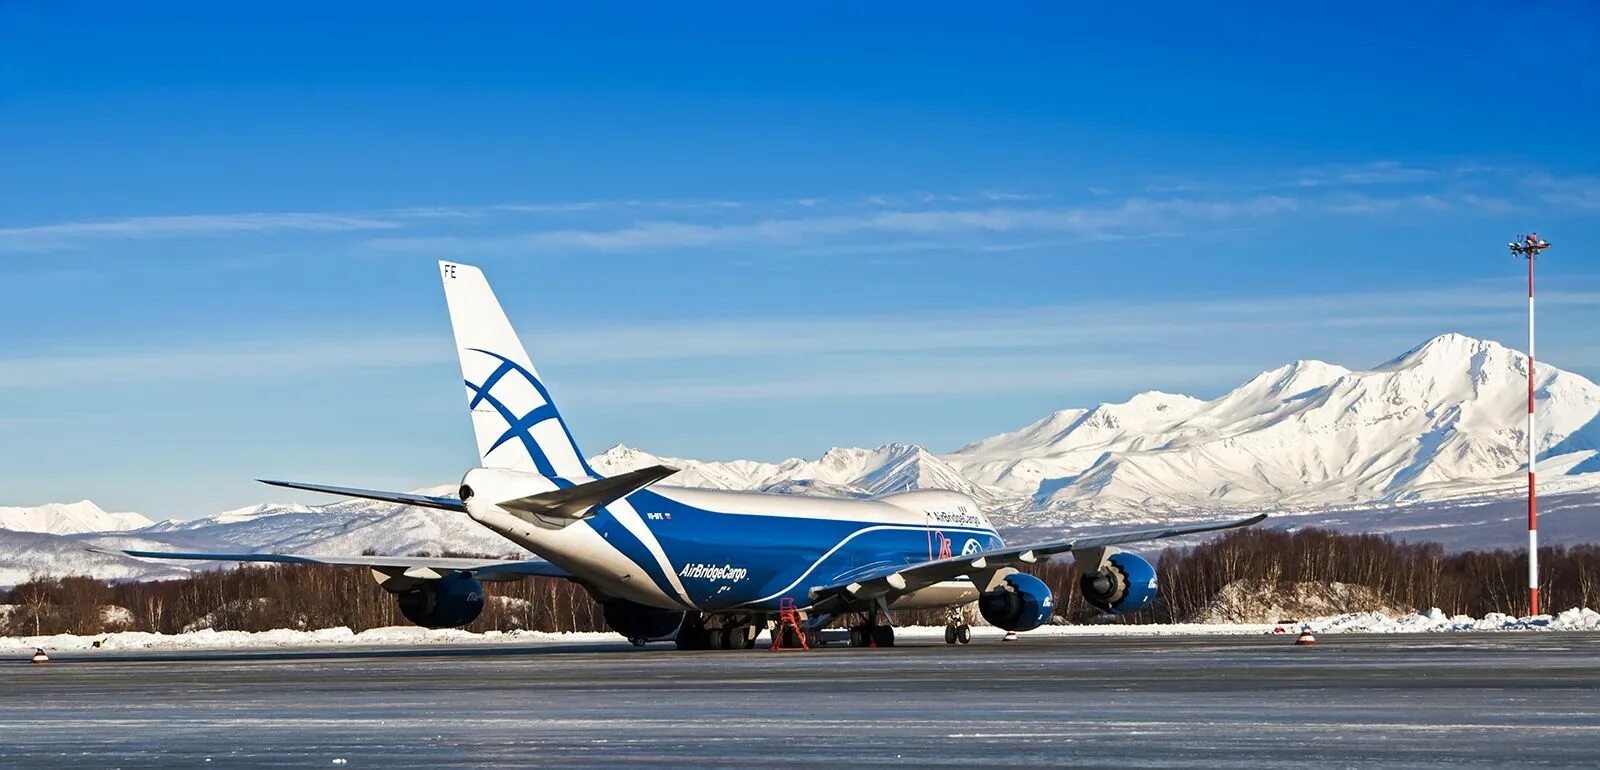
(1446, 418)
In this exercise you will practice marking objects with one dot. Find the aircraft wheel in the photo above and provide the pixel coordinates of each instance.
(883, 635)
(715, 638)
(964, 634)
(858, 636)
(736, 638)
(949, 634)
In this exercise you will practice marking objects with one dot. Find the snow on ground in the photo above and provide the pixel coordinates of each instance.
(209, 639)
(1432, 621)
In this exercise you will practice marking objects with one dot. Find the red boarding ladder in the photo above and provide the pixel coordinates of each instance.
(788, 618)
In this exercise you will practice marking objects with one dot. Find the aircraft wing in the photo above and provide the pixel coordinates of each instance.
(423, 567)
(901, 580)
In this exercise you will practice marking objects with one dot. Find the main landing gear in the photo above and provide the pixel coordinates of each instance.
(722, 632)
(956, 630)
(871, 633)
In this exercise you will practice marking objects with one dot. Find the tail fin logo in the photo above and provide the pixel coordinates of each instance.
(520, 427)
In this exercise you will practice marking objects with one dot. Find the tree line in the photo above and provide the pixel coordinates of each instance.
(258, 598)
(1399, 573)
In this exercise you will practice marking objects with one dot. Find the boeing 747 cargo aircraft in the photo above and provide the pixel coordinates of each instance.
(706, 568)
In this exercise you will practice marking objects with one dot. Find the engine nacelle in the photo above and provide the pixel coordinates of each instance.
(1021, 603)
(1126, 584)
(636, 621)
(444, 603)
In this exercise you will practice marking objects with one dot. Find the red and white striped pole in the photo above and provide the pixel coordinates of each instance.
(1529, 249)
(1533, 461)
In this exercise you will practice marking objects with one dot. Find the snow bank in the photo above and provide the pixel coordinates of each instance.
(1432, 621)
(283, 637)
(1254, 601)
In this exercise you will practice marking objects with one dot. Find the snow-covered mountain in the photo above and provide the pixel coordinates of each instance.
(839, 472)
(1444, 422)
(68, 519)
(1445, 419)
(346, 527)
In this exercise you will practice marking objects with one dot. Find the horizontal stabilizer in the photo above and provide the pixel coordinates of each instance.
(581, 500)
(403, 498)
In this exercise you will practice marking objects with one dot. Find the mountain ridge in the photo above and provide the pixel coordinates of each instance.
(1444, 420)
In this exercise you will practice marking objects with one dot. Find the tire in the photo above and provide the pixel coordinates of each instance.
(964, 634)
(883, 635)
(735, 638)
(858, 637)
(714, 638)
(949, 634)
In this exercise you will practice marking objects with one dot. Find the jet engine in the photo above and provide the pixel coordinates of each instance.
(1021, 603)
(447, 602)
(636, 621)
(1127, 583)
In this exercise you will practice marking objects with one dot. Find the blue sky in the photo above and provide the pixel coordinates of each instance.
(742, 231)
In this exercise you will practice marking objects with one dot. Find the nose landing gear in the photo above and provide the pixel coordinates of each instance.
(956, 630)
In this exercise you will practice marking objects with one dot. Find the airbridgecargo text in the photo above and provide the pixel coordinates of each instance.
(714, 572)
(960, 517)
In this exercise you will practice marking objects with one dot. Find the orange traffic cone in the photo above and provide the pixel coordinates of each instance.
(39, 656)
(1305, 637)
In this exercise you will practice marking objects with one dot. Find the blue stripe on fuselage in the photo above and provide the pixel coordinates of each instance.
(621, 538)
(727, 560)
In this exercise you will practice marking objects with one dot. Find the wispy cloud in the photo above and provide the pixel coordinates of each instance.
(987, 219)
(1024, 349)
(988, 376)
(235, 361)
(1368, 205)
(1575, 192)
(1382, 172)
(1132, 217)
(56, 236)
(64, 235)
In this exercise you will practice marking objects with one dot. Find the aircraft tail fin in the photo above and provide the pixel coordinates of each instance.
(516, 422)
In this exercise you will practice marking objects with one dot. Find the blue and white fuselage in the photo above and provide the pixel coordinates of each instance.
(712, 550)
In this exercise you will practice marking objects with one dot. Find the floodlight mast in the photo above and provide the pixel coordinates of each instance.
(1529, 248)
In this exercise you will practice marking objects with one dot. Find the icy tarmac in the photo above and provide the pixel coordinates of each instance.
(1175, 701)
